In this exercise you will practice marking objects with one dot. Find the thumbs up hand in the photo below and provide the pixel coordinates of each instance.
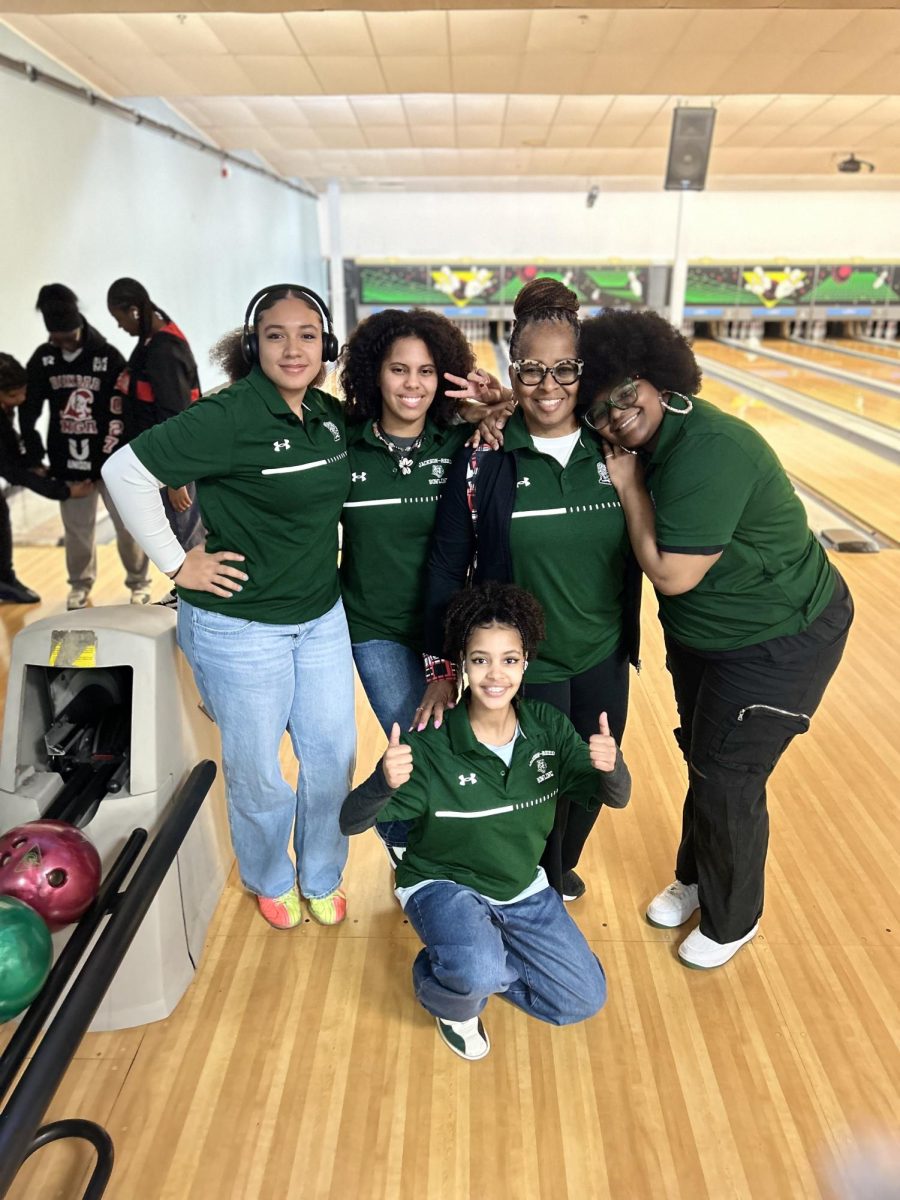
(397, 762)
(602, 747)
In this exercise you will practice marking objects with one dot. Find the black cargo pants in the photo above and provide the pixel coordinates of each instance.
(739, 710)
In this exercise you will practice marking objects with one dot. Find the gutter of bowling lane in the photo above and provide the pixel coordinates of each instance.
(837, 348)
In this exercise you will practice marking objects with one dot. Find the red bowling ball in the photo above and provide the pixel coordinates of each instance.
(52, 867)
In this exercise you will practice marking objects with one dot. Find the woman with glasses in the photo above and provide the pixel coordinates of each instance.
(542, 513)
(754, 615)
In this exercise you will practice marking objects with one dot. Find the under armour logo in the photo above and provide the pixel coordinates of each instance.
(358, 476)
(285, 445)
(464, 779)
(526, 482)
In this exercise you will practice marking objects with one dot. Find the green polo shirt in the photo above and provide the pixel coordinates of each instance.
(388, 519)
(270, 487)
(475, 820)
(716, 484)
(569, 547)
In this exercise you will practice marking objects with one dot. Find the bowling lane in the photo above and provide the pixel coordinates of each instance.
(486, 357)
(884, 372)
(862, 483)
(888, 350)
(847, 396)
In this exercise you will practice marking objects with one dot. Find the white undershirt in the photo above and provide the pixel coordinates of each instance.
(559, 448)
(135, 493)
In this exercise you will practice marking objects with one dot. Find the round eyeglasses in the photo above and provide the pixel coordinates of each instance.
(621, 397)
(530, 372)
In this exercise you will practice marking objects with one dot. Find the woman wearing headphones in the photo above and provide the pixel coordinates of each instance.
(264, 629)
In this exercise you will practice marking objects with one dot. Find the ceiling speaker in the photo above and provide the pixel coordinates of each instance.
(689, 146)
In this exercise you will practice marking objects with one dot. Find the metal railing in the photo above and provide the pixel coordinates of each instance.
(21, 1132)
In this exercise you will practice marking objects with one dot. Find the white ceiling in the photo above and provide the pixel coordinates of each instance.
(518, 96)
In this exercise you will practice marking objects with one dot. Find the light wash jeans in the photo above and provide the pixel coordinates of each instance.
(257, 681)
(393, 678)
(530, 953)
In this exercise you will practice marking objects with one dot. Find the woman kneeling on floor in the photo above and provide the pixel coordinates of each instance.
(481, 795)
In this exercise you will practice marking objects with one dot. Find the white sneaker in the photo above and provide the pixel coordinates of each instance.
(673, 905)
(468, 1039)
(77, 598)
(140, 595)
(702, 953)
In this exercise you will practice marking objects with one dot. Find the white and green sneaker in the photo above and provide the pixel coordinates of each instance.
(468, 1039)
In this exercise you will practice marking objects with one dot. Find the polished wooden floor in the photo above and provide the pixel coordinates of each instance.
(848, 396)
(881, 372)
(299, 1067)
(883, 348)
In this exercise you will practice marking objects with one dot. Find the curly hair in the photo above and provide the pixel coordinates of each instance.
(370, 344)
(227, 355)
(492, 604)
(621, 343)
(12, 374)
(543, 299)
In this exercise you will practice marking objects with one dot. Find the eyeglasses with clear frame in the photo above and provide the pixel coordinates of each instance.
(623, 396)
(531, 373)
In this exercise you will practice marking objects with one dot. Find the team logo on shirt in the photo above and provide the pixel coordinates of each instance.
(333, 430)
(77, 416)
(101, 364)
(540, 764)
(524, 482)
(79, 454)
(358, 476)
(603, 475)
(464, 779)
(285, 445)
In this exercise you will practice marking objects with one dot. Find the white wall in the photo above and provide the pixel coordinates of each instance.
(88, 197)
(624, 225)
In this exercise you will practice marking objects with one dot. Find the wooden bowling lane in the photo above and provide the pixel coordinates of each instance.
(889, 350)
(859, 481)
(883, 372)
(486, 357)
(847, 396)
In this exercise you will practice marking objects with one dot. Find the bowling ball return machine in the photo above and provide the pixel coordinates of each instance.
(103, 725)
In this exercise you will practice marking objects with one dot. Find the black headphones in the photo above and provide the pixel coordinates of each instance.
(249, 340)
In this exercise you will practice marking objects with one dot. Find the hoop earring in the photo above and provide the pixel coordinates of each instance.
(679, 412)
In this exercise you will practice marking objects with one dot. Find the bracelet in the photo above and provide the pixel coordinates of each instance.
(438, 669)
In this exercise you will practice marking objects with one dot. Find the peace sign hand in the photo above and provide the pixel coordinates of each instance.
(602, 747)
(397, 762)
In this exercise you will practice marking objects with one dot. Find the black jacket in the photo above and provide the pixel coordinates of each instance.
(13, 466)
(86, 422)
(455, 544)
(160, 379)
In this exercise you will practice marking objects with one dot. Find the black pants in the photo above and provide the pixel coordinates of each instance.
(6, 542)
(603, 688)
(739, 711)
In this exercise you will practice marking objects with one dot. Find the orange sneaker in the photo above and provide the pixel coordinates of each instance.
(282, 912)
(330, 909)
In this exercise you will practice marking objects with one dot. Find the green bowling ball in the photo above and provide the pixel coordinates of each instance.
(26, 954)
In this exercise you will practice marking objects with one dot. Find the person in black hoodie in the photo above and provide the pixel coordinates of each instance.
(13, 379)
(75, 372)
(159, 381)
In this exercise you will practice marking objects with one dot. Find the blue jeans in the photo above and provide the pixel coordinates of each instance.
(257, 681)
(530, 953)
(393, 678)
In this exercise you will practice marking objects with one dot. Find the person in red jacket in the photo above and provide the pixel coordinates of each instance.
(159, 381)
(13, 469)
